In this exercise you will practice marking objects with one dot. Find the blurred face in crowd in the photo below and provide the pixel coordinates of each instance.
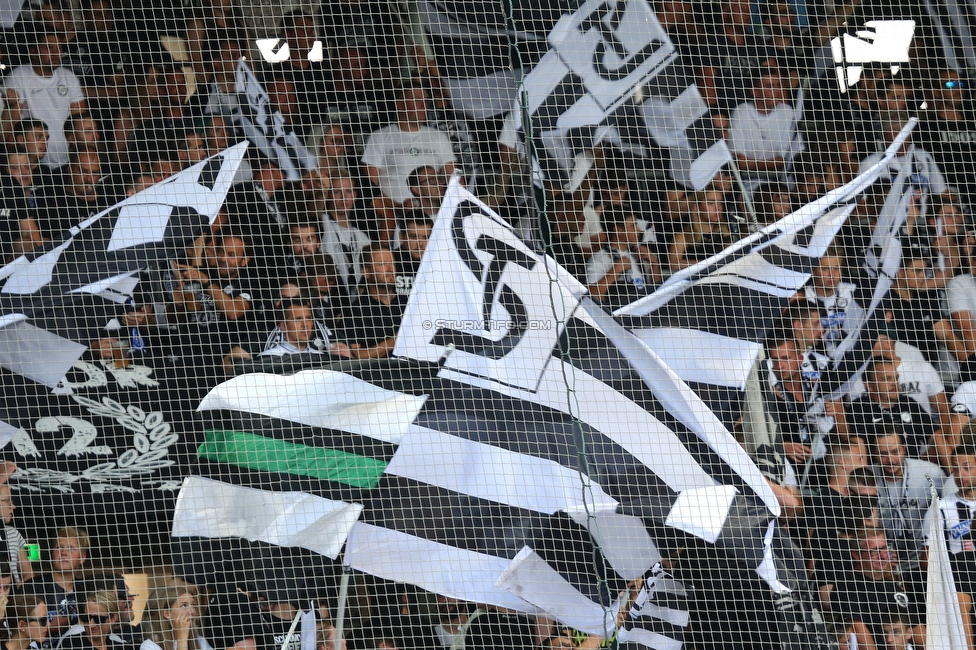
(874, 557)
(897, 635)
(628, 234)
(951, 93)
(230, 257)
(99, 17)
(808, 331)
(343, 198)
(301, 36)
(282, 94)
(85, 174)
(895, 98)
(768, 92)
(194, 149)
(35, 627)
(412, 108)
(828, 275)
(334, 144)
(737, 13)
(6, 504)
(890, 455)
(84, 133)
(711, 207)
(20, 168)
(97, 619)
(786, 361)
(46, 56)
(68, 555)
(912, 275)
(381, 271)
(415, 237)
(184, 605)
(34, 143)
(298, 326)
(882, 383)
(965, 473)
(305, 240)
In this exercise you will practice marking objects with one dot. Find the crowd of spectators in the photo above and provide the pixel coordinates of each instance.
(103, 99)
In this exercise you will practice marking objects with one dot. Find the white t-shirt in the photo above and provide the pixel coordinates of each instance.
(925, 166)
(764, 136)
(961, 294)
(397, 153)
(48, 99)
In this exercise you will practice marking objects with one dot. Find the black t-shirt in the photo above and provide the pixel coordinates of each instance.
(912, 321)
(953, 144)
(231, 618)
(59, 602)
(81, 642)
(407, 267)
(860, 598)
(867, 418)
(369, 322)
(276, 631)
(15, 205)
(96, 60)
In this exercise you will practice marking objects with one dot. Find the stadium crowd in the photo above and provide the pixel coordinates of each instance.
(103, 99)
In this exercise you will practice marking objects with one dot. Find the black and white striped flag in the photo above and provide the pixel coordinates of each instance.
(69, 290)
(601, 56)
(708, 321)
(264, 126)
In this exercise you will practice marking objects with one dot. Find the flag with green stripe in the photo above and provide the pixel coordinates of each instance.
(288, 460)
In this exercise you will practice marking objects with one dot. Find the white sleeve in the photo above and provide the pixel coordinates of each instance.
(75, 92)
(376, 147)
(959, 293)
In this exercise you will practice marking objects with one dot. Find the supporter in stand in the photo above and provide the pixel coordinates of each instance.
(27, 622)
(905, 493)
(394, 151)
(20, 231)
(341, 239)
(763, 132)
(626, 269)
(706, 234)
(57, 588)
(297, 327)
(413, 241)
(874, 588)
(61, 206)
(47, 91)
(376, 311)
(173, 619)
(100, 618)
(951, 133)
(20, 566)
(885, 408)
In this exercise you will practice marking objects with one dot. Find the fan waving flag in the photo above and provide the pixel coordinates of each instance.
(73, 287)
(708, 321)
(600, 56)
(265, 127)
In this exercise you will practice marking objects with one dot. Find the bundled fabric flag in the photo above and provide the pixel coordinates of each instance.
(600, 56)
(708, 321)
(68, 287)
(264, 126)
(944, 629)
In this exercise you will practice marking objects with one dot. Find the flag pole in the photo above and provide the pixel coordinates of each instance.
(340, 616)
(746, 199)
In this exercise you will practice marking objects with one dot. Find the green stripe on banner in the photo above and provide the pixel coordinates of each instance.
(270, 455)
